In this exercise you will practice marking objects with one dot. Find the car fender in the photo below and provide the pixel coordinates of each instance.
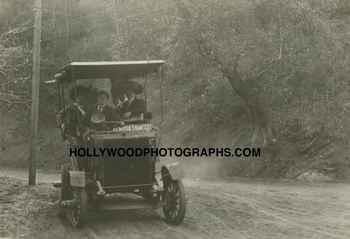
(174, 170)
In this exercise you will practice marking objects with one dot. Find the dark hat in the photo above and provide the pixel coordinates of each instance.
(126, 86)
(103, 92)
(134, 86)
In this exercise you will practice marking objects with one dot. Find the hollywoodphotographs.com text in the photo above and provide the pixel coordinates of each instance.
(138, 152)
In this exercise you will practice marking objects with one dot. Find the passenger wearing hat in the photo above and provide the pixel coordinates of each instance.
(73, 118)
(127, 105)
(120, 99)
(102, 105)
(132, 107)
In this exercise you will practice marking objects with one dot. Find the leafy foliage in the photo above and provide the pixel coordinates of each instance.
(249, 72)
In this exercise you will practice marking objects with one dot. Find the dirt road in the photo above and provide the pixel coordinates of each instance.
(216, 209)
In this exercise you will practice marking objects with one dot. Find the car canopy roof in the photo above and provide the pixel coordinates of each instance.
(115, 70)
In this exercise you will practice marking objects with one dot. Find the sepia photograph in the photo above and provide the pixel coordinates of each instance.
(191, 119)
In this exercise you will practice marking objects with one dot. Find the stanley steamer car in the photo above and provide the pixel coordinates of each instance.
(104, 183)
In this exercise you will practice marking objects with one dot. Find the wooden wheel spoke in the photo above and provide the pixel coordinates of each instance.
(174, 207)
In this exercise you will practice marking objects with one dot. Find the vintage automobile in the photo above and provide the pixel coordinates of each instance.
(101, 183)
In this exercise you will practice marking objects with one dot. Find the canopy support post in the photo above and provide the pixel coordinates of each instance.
(161, 95)
(145, 90)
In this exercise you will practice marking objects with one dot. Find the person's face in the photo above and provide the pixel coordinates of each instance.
(130, 95)
(102, 99)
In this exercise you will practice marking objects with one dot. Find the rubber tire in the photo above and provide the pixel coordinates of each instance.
(182, 210)
(82, 210)
(65, 191)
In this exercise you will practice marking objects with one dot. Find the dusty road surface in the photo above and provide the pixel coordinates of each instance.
(216, 209)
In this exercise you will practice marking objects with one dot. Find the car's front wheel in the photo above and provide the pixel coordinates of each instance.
(174, 204)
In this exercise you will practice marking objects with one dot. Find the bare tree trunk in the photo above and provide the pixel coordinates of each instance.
(254, 107)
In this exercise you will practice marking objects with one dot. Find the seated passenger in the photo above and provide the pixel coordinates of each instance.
(103, 107)
(119, 102)
(73, 119)
(133, 107)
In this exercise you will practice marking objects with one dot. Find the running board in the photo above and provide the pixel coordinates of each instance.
(125, 205)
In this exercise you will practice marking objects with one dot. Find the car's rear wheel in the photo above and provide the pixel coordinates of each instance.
(76, 215)
(174, 205)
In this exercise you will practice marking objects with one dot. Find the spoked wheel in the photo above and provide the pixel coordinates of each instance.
(76, 215)
(66, 189)
(174, 206)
